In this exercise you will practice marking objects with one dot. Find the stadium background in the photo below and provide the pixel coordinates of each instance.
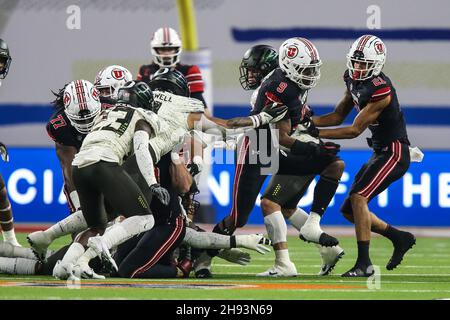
(46, 55)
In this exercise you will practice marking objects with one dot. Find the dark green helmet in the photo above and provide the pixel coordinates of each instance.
(170, 80)
(5, 59)
(136, 94)
(258, 61)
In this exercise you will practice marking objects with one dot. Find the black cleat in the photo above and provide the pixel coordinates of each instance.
(203, 273)
(324, 240)
(359, 272)
(400, 248)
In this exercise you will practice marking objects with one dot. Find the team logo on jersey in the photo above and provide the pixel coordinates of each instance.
(95, 93)
(379, 47)
(66, 99)
(118, 74)
(291, 52)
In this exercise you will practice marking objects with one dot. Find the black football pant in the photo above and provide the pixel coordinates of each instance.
(107, 180)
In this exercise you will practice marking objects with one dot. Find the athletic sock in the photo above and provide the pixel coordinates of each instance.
(323, 193)
(298, 218)
(18, 266)
(363, 254)
(72, 224)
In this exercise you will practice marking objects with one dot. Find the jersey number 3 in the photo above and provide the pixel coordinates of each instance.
(120, 124)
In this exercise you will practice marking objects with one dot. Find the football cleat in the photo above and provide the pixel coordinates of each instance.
(400, 248)
(202, 266)
(312, 233)
(39, 242)
(83, 271)
(280, 270)
(101, 249)
(359, 272)
(62, 271)
(330, 257)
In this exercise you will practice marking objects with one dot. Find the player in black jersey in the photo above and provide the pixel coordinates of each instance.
(166, 48)
(287, 85)
(371, 92)
(6, 217)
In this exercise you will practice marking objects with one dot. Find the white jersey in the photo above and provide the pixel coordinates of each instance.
(111, 138)
(174, 111)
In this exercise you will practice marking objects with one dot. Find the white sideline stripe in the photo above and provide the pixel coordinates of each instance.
(318, 266)
(382, 274)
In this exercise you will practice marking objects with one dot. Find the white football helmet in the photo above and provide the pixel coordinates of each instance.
(300, 60)
(110, 79)
(166, 39)
(366, 57)
(81, 104)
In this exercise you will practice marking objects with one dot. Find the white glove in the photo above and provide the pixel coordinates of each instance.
(416, 154)
(235, 255)
(269, 114)
(256, 242)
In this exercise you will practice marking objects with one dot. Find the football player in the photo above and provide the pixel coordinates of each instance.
(257, 62)
(372, 93)
(68, 137)
(6, 216)
(287, 85)
(166, 48)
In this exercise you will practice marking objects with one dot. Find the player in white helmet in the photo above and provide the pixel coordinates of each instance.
(108, 82)
(372, 93)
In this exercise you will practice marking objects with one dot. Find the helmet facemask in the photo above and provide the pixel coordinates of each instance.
(306, 75)
(5, 62)
(250, 78)
(361, 68)
(84, 120)
(164, 59)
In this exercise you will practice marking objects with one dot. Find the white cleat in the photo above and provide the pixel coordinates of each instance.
(62, 271)
(83, 271)
(280, 270)
(311, 232)
(101, 249)
(330, 257)
(39, 242)
(14, 242)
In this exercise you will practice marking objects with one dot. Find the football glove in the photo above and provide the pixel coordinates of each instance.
(269, 114)
(161, 193)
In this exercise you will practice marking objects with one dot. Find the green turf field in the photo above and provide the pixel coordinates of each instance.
(424, 274)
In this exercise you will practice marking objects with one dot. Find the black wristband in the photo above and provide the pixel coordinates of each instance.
(232, 241)
(303, 148)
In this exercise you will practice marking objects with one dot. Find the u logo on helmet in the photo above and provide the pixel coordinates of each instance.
(379, 47)
(291, 52)
(66, 99)
(118, 74)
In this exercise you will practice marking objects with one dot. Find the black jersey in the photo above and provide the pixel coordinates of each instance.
(279, 89)
(165, 214)
(390, 124)
(61, 130)
(190, 72)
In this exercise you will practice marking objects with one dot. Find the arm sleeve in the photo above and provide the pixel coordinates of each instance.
(143, 157)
